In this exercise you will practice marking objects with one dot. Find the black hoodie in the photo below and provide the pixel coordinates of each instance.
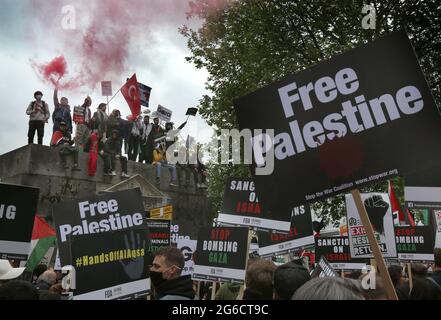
(176, 289)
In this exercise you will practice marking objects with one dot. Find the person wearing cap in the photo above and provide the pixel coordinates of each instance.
(7, 272)
(111, 152)
(61, 113)
(61, 139)
(38, 112)
(83, 127)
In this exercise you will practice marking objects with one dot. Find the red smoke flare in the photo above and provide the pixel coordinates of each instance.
(53, 71)
(100, 45)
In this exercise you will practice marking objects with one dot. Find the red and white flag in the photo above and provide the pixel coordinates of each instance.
(396, 207)
(130, 91)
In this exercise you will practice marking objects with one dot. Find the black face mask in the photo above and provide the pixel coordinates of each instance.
(157, 278)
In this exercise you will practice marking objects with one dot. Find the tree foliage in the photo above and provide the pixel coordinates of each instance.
(247, 44)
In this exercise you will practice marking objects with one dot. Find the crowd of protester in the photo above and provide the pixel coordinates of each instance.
(109, 137)
(264, 281)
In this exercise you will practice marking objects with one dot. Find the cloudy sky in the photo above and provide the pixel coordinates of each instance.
(32, 31)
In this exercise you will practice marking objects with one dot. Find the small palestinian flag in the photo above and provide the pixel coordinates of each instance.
(43, 238)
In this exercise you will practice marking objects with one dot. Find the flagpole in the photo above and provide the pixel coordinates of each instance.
(108, 101)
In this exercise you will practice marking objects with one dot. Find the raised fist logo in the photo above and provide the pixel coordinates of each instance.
(376, 208)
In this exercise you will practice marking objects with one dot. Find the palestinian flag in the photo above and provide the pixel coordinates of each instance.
(43, 238)
(406, 218)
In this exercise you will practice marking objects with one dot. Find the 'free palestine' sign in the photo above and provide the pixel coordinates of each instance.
(341, 124)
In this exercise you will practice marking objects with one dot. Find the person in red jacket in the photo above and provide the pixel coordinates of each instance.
(93, 145)
(61, 139)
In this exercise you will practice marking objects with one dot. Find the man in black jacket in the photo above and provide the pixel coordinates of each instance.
(111, 152)
(165, 274)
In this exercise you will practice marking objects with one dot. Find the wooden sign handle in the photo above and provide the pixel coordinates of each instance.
(213, 291)
(409, 273)
(387, 281)
(242, 287)
(198, 291)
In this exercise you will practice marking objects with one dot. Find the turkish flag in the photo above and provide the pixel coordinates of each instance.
(130, 92)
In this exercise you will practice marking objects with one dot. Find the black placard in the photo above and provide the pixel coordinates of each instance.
(342, 124)
(221, 254)
(337, 252)
(18, 205)
(300, 235)
(111, 265)
(414, 243)
(121, 210)
(241, 207)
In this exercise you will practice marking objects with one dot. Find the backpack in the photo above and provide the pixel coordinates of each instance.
(44, 105)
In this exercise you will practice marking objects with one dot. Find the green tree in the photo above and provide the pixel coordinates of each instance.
(247, 44)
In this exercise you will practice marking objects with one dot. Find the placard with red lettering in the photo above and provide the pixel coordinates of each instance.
(159, 236)
(414, 243)
(299, 236)
(337, 252)
(380, 215)
(221, 254)
(241, 207)
(159, 233)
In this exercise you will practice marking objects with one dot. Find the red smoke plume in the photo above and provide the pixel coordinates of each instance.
(53, 71)
(107, 31)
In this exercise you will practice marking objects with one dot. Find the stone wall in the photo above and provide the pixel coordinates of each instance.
(40, 166)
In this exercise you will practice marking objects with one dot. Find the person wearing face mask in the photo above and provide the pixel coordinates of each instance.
(83, 127)
(38, 112)
(61, 113)
(165, 275)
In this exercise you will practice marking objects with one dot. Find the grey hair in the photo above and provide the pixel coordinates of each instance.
(329, 288)
(48, 276)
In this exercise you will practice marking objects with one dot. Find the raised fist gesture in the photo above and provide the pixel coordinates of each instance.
(376, 208)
